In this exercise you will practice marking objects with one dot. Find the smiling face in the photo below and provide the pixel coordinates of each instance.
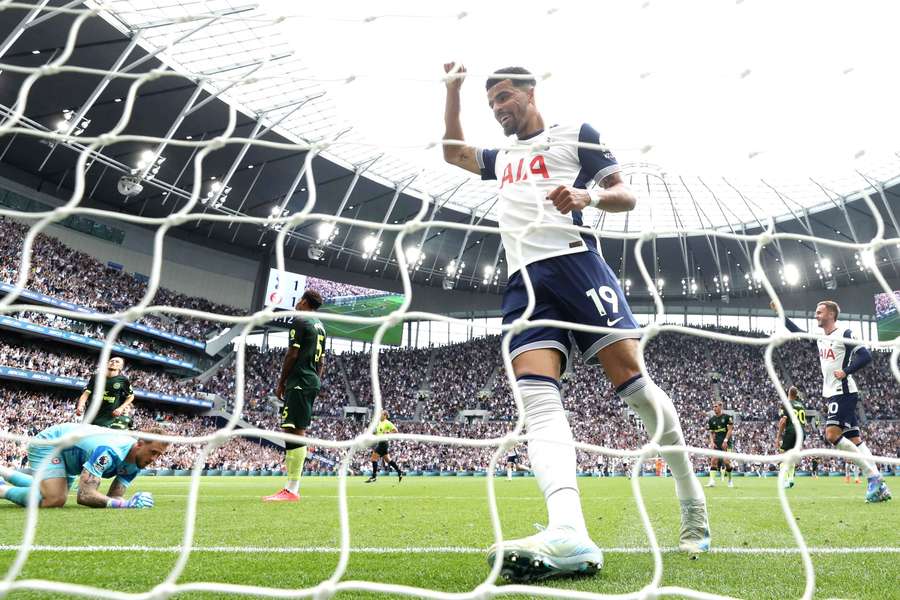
(825, 317)
(513, 106)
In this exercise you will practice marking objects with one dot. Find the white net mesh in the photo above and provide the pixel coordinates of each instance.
(248, 71)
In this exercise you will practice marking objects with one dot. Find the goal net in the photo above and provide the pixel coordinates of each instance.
(240, 80)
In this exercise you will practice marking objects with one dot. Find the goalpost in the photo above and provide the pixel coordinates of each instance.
(90, 149)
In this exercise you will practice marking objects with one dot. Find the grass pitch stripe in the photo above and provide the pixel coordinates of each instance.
(426, 550)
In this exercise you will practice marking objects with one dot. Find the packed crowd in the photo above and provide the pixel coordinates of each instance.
(435, 384)
(99, 331)
(27, 410)
(754, 437)
(261, 372)
(336, 289)
(66, 274)
(71, 362)
(884, 304)
(402, 372)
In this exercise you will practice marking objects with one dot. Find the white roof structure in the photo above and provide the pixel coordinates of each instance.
(723, 115)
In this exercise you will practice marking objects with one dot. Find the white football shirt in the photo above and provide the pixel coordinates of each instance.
(533, 169)
(834, 355)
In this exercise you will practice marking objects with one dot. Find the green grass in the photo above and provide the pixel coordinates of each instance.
(888, 328)
(377, 306)
(426, 512)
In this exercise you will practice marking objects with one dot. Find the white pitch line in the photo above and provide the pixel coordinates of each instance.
(588, 498)
(425, 550)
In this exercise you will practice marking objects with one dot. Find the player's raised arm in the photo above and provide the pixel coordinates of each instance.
(85, 396)
(455, 154)
(82, 402)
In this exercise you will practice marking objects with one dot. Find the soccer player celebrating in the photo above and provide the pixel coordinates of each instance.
(380, 451)
(117, 395)
(721, 429)
(545, 178)
(786, 438)
(101, 455)
(298, 386)
(840, 358)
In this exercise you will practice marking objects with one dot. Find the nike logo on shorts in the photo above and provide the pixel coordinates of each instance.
(613, 322)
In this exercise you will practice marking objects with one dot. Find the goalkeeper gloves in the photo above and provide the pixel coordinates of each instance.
(139, 500)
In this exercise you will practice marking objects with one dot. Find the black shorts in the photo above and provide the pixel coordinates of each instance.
(512, 459)
(298, 408)
(721, 440)
(842, 411)
(788, 441)
(381, 449)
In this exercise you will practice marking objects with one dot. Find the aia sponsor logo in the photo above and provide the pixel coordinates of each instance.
(536, 166)
(827, 353)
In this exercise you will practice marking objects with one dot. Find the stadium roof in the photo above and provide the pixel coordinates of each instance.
(205, 53)
(715, 152)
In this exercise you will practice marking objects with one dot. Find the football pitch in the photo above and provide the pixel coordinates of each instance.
(377, 306)
(431, 532)
(888, 327)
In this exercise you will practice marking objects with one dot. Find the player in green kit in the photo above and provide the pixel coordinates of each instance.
(117, 394)
(298, 387)
(786, 437)
(721, 426)
(380, 451)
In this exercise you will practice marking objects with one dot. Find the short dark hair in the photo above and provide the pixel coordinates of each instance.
(833, 307)
(520, 83)
(313, 298)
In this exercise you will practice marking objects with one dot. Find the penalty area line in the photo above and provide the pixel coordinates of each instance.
(426, 550)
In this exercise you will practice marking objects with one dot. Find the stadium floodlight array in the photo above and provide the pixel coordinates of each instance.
(283, 222)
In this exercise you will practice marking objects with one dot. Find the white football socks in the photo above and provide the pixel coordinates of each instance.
(864, 461)
(554, 465)
(640, 393)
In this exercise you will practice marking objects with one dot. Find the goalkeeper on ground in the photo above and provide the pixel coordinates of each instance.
(101, 455)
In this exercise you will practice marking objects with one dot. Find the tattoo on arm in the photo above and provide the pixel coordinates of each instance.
(88, 495)
(116, 489)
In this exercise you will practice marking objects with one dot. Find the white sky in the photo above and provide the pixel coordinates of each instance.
(805, 86)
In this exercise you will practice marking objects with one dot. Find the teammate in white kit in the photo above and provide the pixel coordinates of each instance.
(547, 177)
(840, 358)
